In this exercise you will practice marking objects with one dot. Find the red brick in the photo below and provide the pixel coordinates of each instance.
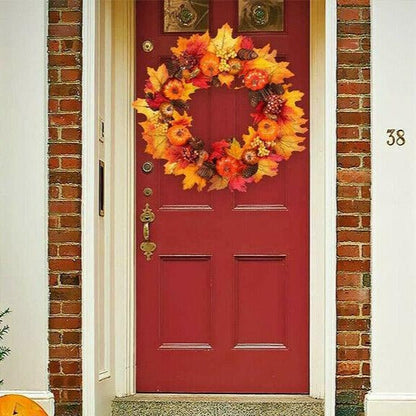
(353, 295)
(69, 250)
(70, 75)
(70, 105)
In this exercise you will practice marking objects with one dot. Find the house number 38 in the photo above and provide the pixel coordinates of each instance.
(396, 137)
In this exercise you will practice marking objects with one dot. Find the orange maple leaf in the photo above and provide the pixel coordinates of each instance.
(155, 136)
(218, 183)
(224, 41)
(286, 145)
(195, 45)
(226, 79)
(181, 119)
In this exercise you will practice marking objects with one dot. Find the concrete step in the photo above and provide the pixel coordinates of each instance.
(217, 405)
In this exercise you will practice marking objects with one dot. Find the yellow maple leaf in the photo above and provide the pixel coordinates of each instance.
(249, 137)
(157, 78)
(170, 167)
(218, 183)
(286, 145)
(181, 119)
(155, 136)
(267, 167)
(191, 177)
(226, 79)
(224, 41)
(279, 72)
(140, 105)
(235, 150)
(265, 53)
(188, 89)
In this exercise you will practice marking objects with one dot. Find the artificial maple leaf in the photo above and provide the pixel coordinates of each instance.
(156, 78)
(247, 42)
(226, 79)
(279, 72)
(196, 45)
(155, 136)
(141, 106)
(181, 119)
(191, 177)
(155, 100)
(266, 167)
(249, 137)
(265, 53)
(218, 150)
(235, 150)
(290, 120)
(218, 183)
(170, 167)
(286, 145)
(188, 89)
(238, 183)
(201, 81)
(224, 41)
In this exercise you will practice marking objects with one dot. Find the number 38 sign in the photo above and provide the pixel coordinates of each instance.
(396, 137)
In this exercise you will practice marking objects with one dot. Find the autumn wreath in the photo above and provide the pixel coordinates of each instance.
(202, 62)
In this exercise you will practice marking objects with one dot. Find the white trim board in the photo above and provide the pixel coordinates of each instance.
(42, 398)
(323, 180)
(390, 404)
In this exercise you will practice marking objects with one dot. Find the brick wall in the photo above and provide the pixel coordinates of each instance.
(353, 265)
(64, 47)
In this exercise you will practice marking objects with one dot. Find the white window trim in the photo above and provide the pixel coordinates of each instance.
(323, 203)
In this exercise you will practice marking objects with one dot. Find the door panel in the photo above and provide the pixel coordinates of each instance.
(223, 304)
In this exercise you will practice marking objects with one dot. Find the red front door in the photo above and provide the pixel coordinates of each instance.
(222, 306)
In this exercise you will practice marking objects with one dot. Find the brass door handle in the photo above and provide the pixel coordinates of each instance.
(147, 246)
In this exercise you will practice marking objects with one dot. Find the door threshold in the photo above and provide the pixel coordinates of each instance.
(169, 404)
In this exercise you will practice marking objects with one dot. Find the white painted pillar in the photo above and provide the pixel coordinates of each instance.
(23, 197)
(393, 377)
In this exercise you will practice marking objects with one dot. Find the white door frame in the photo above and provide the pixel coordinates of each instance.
(121, 139)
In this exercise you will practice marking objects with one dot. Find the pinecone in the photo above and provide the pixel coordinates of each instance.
(207, 170)
(189, 154)
(216, 82)
(274, 105)
(249, 171)
(180, 105)
(247, 54)
(276, 88)
(173, 67)
(254, 97)
(196, 144)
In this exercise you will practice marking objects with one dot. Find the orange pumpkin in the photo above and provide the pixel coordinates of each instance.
(227, 167)
(210, 64)
(173, 89)
(13, 404)
(268, 130)
(178, 135)
(256, 79)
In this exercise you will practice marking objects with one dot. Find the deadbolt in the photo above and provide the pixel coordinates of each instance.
(147, 167)
(147, 46)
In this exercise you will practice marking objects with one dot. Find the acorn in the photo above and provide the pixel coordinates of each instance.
(249, 157)
(166, 110)
(207, 170)
(235, 66)
(247, 54)
(249, 171)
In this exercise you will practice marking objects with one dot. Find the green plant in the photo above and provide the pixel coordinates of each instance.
(4, 329)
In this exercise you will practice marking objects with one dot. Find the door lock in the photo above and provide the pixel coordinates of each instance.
(147, 46)
(147, 167)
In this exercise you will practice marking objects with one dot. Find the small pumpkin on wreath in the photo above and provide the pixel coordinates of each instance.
(200, 62)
